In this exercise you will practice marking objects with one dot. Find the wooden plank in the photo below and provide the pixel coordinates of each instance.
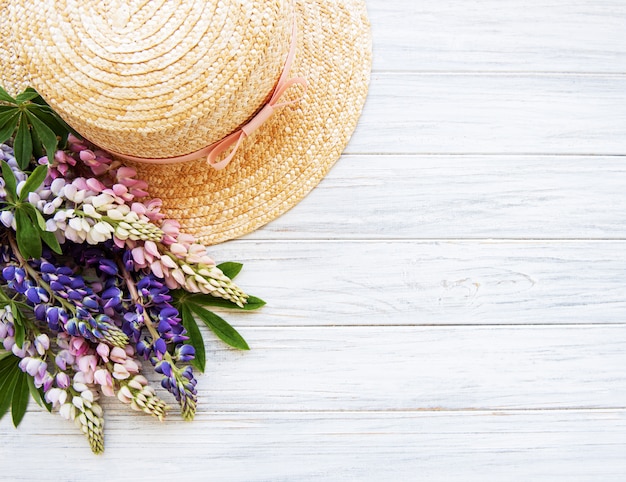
(409, 197)
(499, 35)
(492, 114)
(535, 445)
(402, 368)
(427, 283)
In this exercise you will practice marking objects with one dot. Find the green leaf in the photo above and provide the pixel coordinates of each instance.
(4, 96)
(195, 337)
(48, 237)
(28, 94)
(37, 394)
(19, 324)
(27, 235)
(38, 150)
(8, 122)
(21, 397)
(52, 120)
(7, 383)
(9, 181)
(20, 335)
(220, 327)
(33, 182)
(31, 211)
(51, 240)
(45, 133)
(41, 222)
(23, 143)
(7, 360)
(230, 268)
(252, 304)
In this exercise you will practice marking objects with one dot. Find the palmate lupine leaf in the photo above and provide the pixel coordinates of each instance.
(34, 126)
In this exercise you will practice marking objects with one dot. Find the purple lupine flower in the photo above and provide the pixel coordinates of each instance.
(180, 383)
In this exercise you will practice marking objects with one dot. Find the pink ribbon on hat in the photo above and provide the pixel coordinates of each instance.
(232, 141)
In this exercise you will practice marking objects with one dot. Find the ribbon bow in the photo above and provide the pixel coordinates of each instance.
(232, 141)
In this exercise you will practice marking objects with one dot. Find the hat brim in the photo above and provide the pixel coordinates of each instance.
(289, 155)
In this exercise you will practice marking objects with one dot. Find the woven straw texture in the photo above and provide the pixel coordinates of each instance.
(159, 81)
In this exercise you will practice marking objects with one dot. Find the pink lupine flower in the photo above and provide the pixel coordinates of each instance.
(103, 350)
(103, 378)
(118, 354)
(78, 346)
(87, 365)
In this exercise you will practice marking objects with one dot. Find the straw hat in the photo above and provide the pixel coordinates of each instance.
(159, 82)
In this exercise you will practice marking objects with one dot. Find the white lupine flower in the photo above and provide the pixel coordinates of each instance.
(62, 215)
(94, 237)
(42, 344)
(44, 193)
(78, 402)
(80, 196)
(69, 191)
(57, 186)
(103, 227)
(121, 233)
(67, 411)
(90, 211)
(87, 395)
(48, 209)
(74, 235)
(34, 198)
(79, 387)
(51, 225)
(56, 397)
(7, 218)
(76, 223)
(115, 214)
(101, 200)
(20, 185)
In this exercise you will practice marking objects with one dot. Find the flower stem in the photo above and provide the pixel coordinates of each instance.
(132, 289)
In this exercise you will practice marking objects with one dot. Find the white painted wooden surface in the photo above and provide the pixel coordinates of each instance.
(450, 302)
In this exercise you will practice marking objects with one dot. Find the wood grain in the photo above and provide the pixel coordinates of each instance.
(409, 113)
(427, 283)
(499, 35)
(463, 196)
(378, 446)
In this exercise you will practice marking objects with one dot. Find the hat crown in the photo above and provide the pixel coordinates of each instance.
(155, 78)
